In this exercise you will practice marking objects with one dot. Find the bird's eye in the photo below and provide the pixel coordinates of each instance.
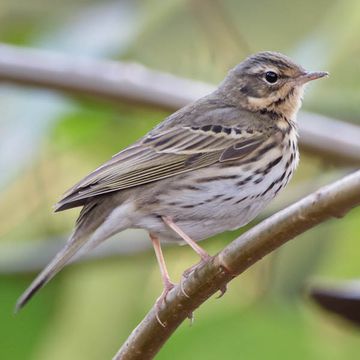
(271, 77)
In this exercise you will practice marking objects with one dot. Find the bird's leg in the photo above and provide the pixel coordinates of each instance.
(168, 284)
(198, 249)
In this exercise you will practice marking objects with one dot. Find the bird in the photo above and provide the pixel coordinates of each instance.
(210, 167)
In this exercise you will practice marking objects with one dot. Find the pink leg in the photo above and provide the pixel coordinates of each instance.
(199, 250)
(168, 284)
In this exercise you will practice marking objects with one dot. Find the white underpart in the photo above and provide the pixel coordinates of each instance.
(219, 215)
(118, 220)
(209, 218)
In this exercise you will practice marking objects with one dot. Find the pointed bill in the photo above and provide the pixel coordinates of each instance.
(311, 75)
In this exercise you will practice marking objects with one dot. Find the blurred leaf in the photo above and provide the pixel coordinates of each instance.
(20, 334)
(52, 141)
(342, 259)
(342, 299)
(295, 262)
(27, 116)
(331, 47)
(263, 331)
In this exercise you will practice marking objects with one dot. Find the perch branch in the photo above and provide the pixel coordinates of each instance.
(32, 256)
(333, 140)
(334, 200)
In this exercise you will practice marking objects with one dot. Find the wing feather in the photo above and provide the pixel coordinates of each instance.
(162, 155)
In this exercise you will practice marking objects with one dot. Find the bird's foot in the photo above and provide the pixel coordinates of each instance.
(204, 258)
(222, 290)
(162, 299)
(191, 317)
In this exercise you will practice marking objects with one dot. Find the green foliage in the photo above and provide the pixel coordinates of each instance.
(89, 309)
(21, 334)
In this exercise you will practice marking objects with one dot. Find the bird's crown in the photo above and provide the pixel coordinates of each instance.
(267, 81)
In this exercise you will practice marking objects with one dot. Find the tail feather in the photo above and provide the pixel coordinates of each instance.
(92, 216)
(59, 261)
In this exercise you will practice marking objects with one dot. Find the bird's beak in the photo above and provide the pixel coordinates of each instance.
(310, 75)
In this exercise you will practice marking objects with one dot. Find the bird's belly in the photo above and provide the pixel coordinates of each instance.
(203, 220)
(210, 201)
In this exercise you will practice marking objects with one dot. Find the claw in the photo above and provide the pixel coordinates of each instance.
(188, 271)
(191, 318)
(182, 288)
(162, 299)
(159, 321)
(168, 285)
(222, 291)
(184, 276)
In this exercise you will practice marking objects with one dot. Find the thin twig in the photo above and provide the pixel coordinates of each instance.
(111, 80)
(334, 200)
(331, 139)
(33, 256)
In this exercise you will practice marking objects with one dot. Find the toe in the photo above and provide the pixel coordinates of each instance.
(222, 290)
(162, 299)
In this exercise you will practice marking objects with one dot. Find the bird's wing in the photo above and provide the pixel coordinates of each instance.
(164, 154)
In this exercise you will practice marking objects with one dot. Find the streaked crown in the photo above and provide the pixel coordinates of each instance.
(267, 80)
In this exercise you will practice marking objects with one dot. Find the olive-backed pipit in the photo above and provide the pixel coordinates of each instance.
(209, 167)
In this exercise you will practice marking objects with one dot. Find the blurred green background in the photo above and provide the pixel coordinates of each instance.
(49, 140)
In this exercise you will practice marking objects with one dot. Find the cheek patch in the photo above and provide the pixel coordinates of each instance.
(259, 103)
(250, 91)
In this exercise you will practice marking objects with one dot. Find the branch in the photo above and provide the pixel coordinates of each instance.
(333, 140)
(25, 256)
(33, 256)
(330, 201)
(111, 80)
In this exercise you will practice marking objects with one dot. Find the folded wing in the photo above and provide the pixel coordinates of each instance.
(161, 155)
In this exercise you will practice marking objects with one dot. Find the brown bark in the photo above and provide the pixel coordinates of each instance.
(333, 140)
(330, 201)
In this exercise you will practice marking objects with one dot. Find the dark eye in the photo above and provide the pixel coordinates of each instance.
(271, 77)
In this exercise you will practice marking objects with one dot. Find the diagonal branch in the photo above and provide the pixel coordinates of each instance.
(331, 139)
(334, 200)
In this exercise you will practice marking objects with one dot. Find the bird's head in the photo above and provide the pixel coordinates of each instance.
(268, 80)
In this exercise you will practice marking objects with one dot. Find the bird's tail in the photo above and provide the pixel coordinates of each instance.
(59, 261)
